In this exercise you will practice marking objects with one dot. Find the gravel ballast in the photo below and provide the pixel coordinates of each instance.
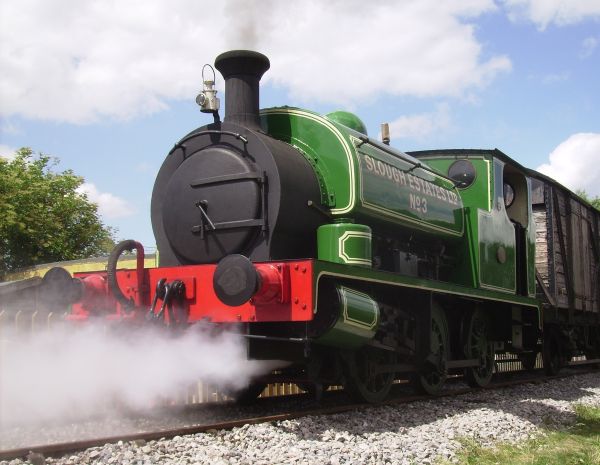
(419, 432)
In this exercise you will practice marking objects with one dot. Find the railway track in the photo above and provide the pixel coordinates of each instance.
(332, 404)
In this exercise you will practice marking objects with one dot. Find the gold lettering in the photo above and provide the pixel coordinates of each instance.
(415, 183)
(369, 161)
(388, 171)
(402, 177)
(429, 189)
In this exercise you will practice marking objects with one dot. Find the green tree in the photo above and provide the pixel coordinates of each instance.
(42, 216)
(595, 202)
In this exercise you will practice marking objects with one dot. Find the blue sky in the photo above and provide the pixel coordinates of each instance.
(108, 87)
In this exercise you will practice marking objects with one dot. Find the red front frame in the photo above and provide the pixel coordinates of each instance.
(295, 301)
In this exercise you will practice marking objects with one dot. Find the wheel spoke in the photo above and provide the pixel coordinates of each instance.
(432, 380)
(479, 347)
(360, 381)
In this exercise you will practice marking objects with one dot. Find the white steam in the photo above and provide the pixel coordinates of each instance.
(69, 373)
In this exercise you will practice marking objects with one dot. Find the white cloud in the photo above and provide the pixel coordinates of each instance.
(559, 12)
(80, 61)
(419, 48)
(109, 205)
(588, 46)
(421, 125)
(575, 163)
(556, 77)
(7, 152)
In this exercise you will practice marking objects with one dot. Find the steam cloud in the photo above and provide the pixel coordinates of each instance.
(72, 372)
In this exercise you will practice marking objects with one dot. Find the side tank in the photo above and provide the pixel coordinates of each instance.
(365, 180)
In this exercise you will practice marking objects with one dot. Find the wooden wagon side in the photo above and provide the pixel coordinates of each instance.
(567, 251)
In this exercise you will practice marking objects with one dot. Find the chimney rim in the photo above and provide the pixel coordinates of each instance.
(236, 62)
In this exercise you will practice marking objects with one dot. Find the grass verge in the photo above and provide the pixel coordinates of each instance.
(577, 445)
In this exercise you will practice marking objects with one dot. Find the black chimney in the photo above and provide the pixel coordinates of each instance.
(242, 70)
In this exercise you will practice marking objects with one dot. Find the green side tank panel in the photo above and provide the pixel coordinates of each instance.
(394, 187)
(355, 321)
(365, 180)
(346, 243)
